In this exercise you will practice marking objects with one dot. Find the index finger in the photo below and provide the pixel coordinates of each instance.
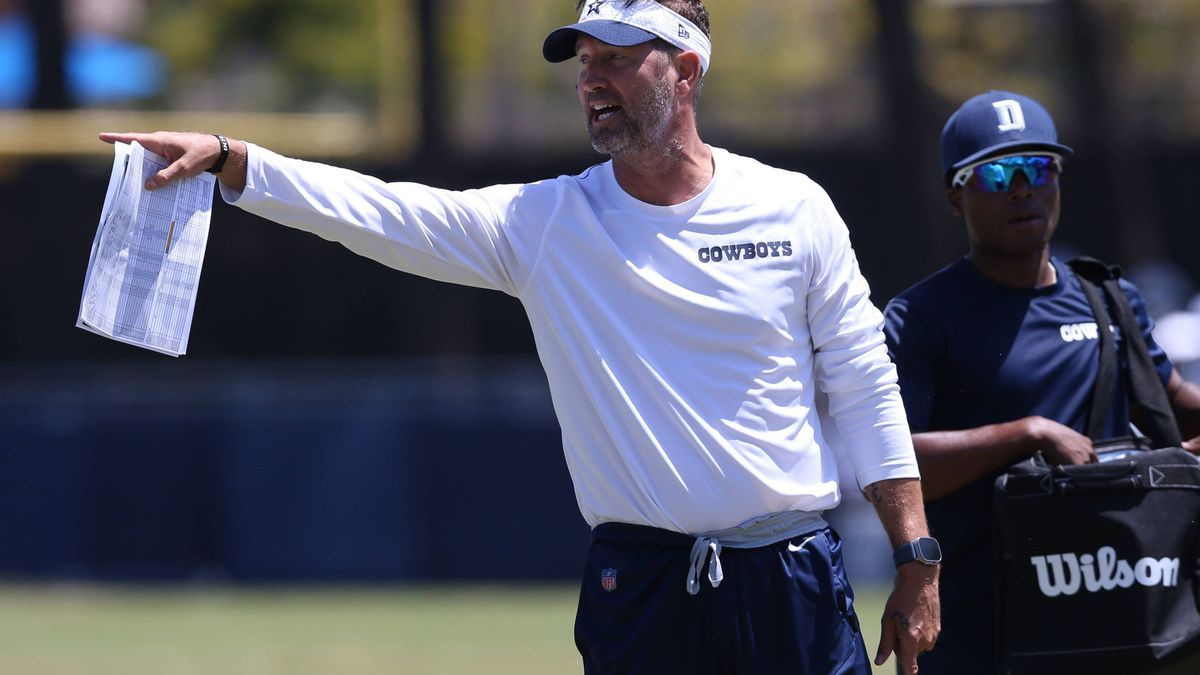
(886, 641)
(114, 137)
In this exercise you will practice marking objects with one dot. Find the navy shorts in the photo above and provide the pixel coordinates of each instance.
(778, 611)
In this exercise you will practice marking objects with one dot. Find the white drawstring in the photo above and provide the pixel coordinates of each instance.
(700, 551)
(754, 533)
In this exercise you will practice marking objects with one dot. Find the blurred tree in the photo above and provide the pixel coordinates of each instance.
(500, 93)
(271, 55)
(799, 71)
(966, 47)
(1156, 74)
(1107, 131)
(796, 72)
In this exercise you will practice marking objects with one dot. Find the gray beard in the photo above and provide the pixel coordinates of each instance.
(640, 130)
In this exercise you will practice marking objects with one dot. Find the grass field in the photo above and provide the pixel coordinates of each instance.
(452, 630)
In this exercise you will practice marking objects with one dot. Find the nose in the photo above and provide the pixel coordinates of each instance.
(1020, 188)
(590, 79)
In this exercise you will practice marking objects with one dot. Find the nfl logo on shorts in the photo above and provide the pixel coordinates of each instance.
(608, 579)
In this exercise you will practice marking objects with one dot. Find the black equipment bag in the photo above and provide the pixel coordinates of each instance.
(1098, 565)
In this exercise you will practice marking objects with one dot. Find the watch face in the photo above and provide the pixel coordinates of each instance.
(928, 550)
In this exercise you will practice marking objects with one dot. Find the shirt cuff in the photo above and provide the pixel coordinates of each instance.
(253, 169)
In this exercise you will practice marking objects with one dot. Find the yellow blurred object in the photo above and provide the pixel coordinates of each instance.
(73, 133)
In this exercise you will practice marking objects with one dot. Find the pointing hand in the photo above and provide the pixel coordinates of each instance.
(189, 154)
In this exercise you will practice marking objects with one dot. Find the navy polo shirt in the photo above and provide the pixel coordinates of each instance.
(971, 352)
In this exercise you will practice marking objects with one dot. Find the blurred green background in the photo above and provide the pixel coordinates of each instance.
(456, 630)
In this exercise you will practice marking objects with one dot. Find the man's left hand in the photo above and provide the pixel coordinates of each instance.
(912, 617)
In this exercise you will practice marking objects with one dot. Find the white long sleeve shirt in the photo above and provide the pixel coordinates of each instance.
(683, 344)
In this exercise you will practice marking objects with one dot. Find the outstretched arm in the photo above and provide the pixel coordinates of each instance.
(472, 237)
(912, 617)
(190, 154)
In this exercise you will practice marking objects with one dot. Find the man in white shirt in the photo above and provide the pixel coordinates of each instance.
(686, 304)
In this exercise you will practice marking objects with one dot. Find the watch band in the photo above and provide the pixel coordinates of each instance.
(924, 550)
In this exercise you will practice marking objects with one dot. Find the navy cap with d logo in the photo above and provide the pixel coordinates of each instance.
(996, 123)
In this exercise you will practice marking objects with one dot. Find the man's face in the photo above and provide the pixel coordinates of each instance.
(627, 95)
(1019, 221)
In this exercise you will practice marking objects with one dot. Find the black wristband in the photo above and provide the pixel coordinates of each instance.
(220, 163)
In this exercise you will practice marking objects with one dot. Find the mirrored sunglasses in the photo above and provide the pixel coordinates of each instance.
(996, 174)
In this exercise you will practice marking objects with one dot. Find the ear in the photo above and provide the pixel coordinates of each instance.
(954, 199)
(687, 66)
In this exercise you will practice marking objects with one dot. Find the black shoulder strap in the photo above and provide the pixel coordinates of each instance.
(1146, 387)
(1089, 270)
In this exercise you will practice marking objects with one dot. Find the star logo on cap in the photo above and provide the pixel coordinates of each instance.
(594, 7)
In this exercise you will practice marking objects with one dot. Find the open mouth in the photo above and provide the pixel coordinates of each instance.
(603, 112)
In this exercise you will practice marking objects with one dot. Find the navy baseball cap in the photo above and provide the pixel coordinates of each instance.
(995, 123)
(560, 44)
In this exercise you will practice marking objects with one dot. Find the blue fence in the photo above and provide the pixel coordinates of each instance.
(306, 471)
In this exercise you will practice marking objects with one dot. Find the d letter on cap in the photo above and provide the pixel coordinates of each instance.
(1011, 117)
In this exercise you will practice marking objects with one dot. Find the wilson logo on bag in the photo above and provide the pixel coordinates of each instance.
(1063, 574)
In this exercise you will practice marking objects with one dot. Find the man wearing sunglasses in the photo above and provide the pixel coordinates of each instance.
(994, 356)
